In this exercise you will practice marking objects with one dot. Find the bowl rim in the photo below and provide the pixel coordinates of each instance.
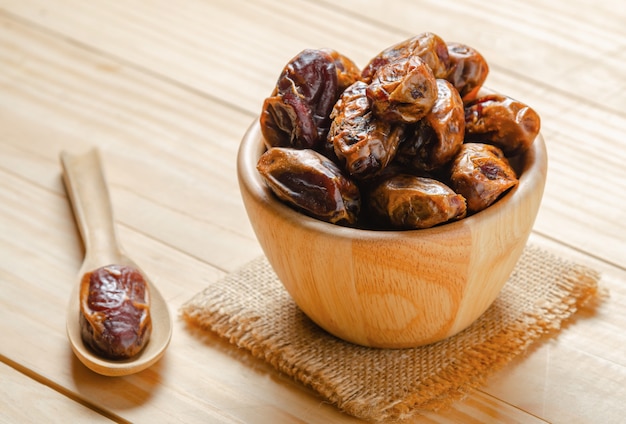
(252, 146)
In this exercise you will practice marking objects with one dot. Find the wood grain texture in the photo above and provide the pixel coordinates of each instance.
(18, 391)
(566, 76)
(166, 90)
(391, 289)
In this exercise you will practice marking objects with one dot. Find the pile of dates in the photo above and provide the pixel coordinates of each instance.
(406, 142)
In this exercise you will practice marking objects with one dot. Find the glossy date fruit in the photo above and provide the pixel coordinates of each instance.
(347, 71)
(362, 142)
(502, 121)
(427, 46)
(468, 70)
(408, 132)
(436, 139)
(410, 202)
(298, 112)
(311, 183)
(403, 91)
(481, 173)
(115, 316)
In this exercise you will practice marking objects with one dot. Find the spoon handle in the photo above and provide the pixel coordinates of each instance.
(87, 189)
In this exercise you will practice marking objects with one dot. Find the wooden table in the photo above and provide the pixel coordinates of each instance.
(166, 90)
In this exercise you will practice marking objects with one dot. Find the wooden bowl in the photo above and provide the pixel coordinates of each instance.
(393, 289)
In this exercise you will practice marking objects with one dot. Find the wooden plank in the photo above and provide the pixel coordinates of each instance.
(582, 121)
(200, 378)
(583, 366)
(18, 391)
(479, 409)
(550, 46)
(254, 41)
(574, 47)
(59, 94)
(148, 132)
(575, 376)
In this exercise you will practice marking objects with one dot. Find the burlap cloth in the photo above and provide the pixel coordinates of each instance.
(252, 310)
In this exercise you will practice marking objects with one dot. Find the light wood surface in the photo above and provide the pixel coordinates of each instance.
(166, 91)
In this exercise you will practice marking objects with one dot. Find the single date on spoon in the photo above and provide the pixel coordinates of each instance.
(115, 316)
(109, 325)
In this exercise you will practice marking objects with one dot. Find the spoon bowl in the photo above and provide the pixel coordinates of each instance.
(86, 186)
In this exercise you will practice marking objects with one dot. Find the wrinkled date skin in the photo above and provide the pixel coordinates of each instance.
(311, 183)
(115, 316)
(502, 121)
(437, 138)
(403, 91)
(468, 70)
(410, 141)
(298, 112)
(427, 46)
(481, 173)
(409, 202)
(363, 143)
(347, 71)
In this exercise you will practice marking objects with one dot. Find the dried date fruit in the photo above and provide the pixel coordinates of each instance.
(437, 138)
(481, 173)
(311, 183)
(298, 112)
(286, 121)
(502, 121)
(410, 202)
(115, 316)
(364, 143)
(427, 46)
(409, 125)
(403, 91)
(347, 71)
(468, 70)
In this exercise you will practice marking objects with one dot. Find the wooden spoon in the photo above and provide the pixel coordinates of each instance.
(86, 186)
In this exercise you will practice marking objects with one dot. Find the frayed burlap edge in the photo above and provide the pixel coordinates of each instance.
(218, 309)
(572, 291)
